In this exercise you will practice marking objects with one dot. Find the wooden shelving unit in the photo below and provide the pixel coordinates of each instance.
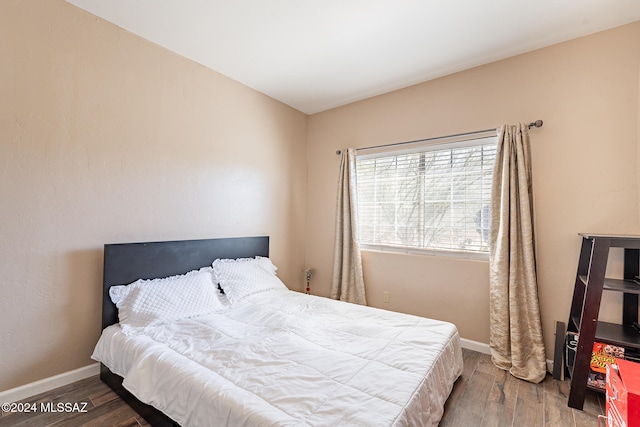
(585, 305)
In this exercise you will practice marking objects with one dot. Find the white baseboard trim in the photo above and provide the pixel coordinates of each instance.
(47, 384)
(481, 347)
(550, 366)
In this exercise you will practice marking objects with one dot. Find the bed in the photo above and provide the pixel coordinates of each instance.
(272, 357)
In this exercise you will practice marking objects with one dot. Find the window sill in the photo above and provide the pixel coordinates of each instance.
(476, 256)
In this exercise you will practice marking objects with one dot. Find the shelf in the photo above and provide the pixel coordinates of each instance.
(620, 335)
(596, 389)
(588, 387)
(626, 286)
(616, 240)
(613, 333)
(585, 306)
(617, 285)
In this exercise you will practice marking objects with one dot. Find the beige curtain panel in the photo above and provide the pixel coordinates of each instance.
(515, 329)
(347, 283)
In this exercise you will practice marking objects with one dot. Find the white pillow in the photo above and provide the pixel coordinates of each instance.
(151, 302)
(242, 277)
(260, 260)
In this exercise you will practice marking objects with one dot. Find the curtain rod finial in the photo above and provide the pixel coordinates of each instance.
(537, 124)
(338, 152)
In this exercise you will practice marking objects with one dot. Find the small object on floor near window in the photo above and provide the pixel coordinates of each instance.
(308, 271)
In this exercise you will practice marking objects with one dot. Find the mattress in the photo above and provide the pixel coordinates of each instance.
(281, 358)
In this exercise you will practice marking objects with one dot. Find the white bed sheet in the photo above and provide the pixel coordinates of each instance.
(289, 359)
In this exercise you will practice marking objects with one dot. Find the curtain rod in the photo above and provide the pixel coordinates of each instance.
(536, 124)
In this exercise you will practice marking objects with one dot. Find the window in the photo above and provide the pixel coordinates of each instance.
(427, 197)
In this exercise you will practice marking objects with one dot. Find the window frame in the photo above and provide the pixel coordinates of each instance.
(488, 137)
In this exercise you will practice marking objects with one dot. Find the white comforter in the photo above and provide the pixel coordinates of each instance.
(281, 358)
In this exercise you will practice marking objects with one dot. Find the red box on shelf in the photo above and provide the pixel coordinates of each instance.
(600, 355)
(623, 394)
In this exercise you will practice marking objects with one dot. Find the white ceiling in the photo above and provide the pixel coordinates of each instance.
(318, 54)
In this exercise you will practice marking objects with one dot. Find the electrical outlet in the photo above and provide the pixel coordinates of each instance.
(386, 297)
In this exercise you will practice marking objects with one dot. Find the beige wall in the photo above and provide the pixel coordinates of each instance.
(105, 137)
(585, 166)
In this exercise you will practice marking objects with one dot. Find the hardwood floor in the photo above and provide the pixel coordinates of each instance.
(482, 396)
(487, 396)
(103, 408)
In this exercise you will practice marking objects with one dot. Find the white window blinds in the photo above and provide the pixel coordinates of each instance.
(427, 197)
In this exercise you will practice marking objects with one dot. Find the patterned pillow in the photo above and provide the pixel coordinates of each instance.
(146, 303)
(242, 277)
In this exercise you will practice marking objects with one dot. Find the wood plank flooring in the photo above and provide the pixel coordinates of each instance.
(103, 408)
(482, 396)
(487, 396)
